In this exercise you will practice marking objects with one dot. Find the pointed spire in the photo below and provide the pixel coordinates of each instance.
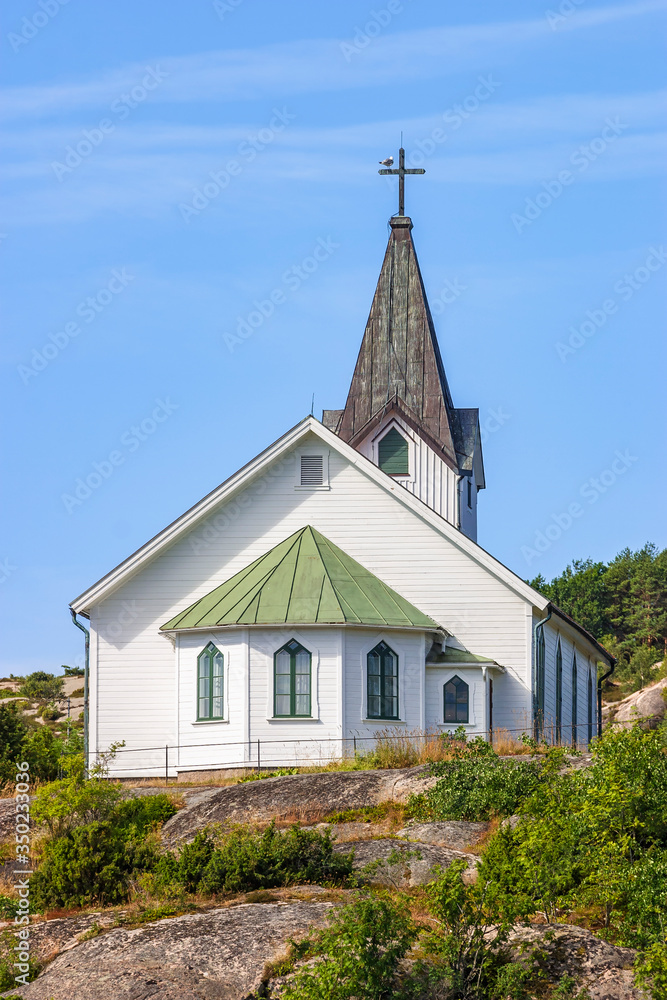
(399, 363)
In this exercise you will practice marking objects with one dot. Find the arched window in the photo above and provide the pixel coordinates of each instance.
(540, 670)
(575, 699)
(382, 681)
(457, 701)
(559, 692)
(210, 683)
(393, 454)
(590, 705)
(291, 681)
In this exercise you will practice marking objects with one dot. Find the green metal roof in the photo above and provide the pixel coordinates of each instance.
(459, 656)
(305, 580)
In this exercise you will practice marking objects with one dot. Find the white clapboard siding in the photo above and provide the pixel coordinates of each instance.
(585, 665)
(430, 478)
(134, 666)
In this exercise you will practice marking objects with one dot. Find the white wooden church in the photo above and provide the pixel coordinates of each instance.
(333, 588)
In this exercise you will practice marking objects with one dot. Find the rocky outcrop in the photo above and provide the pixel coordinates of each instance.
(218, 955)
(456, 834)
(602, 968)
(648, 706)
(301, 798)
(395, 863)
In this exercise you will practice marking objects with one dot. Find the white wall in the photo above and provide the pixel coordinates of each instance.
(430, 478)
(436, 678)
(135, 665)
(585, 665)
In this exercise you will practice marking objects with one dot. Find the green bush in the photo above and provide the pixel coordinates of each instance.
(248, 859)
(98, 841)
(595, 838)
(90, 864)
(358, 953)
(475, 785)
(42, 686)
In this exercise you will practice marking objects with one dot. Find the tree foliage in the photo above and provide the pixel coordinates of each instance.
(623, 603)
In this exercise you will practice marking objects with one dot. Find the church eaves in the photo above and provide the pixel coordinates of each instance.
(399, 364)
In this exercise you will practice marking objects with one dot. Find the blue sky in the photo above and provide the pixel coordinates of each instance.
(169, 165)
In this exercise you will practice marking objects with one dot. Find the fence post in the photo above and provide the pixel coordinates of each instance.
(166, 764)
(257, 756)
(354, 745)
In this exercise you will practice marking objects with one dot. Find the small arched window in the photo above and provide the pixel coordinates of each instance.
(382, 680)
(210, 683)
(575, 699)
(393, 454)
(457, 700)
(291, 681)
(559, 692)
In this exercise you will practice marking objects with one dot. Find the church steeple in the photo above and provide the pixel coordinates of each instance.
(399, 380)
(399, 363)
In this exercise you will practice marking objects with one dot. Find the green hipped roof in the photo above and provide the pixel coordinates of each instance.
(305, 580)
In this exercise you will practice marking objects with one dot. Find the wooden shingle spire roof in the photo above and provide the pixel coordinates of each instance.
(399, 364)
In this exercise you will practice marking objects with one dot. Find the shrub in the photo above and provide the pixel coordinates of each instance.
(62, 805)
(357, 954)
(73, 671)
(13, 731)
(248, 859)
(475, 785)
(42, 686)
(94, 861)
(90, 864)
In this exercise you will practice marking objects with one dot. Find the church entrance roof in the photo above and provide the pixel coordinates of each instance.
(304, 580)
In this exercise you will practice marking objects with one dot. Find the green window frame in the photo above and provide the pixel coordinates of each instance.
(210, 683)
(456, 700)
(393, 454)
(575, 699)
(292, 674)
(382, 683)
(559, 692)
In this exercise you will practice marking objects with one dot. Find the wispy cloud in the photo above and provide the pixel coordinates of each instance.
(312, 65)
(150, 168)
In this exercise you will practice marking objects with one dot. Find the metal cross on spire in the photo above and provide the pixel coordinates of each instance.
(402, 171)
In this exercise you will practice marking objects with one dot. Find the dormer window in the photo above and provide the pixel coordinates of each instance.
(393, 456)
(469, 482)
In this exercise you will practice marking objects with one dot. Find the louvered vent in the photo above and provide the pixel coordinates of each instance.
(312, 470)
